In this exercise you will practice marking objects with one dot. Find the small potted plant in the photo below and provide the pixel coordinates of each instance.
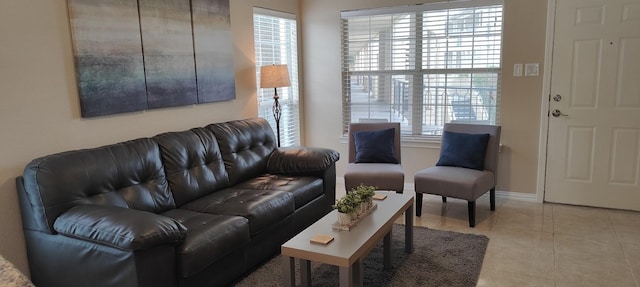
(365, 193)
(346, 210)
(358, 203)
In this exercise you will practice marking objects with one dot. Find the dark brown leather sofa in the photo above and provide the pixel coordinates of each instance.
(191, 208)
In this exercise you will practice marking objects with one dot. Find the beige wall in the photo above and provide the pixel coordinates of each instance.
(524, 42)
(39, 107)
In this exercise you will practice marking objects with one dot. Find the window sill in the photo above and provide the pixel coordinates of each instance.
(417, 143)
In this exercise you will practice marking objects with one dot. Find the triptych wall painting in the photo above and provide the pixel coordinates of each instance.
(134, 55)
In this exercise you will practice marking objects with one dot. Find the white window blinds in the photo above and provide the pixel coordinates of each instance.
(275, 40)
(422, 65)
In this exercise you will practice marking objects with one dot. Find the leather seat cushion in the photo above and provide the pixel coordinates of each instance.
(263, 208)
(209, 238)
(304, 188)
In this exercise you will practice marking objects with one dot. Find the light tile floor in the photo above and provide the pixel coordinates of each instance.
(535, 244)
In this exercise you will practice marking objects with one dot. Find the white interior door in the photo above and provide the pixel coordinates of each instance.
(593, 152)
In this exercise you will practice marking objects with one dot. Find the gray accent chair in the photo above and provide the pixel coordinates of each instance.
(462, 183)
(384, 176)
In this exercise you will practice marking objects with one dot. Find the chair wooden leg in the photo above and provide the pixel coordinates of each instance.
(492, 198)
(472, 213)
(418, 204)
(444, 199)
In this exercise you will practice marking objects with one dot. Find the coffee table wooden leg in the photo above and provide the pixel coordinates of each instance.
(288, 271)
(386, 248)
(352, 276)
(305, 272)
(408, 230)
(358, 273)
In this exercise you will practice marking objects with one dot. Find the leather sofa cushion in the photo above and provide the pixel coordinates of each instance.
(123, 228)
(209, 238)
(263, 208)
(127, 174)
(303, 188)
(193, 163)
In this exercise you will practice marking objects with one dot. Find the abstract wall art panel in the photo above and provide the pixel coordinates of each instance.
(108, 56)
(134, 55)
(168, 52)
(213, 50)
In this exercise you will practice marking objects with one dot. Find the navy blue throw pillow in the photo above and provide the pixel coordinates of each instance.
(375, 146)
(463, 150)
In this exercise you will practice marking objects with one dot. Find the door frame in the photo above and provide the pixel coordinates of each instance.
(544, 105)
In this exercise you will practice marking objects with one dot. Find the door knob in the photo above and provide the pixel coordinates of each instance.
(557, 113)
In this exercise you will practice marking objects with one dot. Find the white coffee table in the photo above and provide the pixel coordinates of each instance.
(349, 248)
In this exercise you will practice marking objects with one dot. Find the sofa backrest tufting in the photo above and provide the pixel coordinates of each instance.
(127, 174)
(193, 163)
(149, 174)
(245, 146)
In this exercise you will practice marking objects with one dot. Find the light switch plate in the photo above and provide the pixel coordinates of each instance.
(531, 70)
(517, 70)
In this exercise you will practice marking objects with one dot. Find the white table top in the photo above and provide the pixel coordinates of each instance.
(348, 246)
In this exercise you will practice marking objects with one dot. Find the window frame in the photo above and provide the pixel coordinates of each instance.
(289, 97)
(411, 133)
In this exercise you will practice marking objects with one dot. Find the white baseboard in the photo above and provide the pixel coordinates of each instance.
(530, 197)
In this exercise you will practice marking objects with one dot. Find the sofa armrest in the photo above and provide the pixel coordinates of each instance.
(123, 228)
(301, 160)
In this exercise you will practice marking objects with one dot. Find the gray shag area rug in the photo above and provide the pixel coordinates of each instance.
(440, 258)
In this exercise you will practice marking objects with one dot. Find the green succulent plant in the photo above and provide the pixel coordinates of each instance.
(364, 192)
(354, 197)
(345, 205)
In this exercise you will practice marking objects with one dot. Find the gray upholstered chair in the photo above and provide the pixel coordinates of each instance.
(460, 182)
(382, 175)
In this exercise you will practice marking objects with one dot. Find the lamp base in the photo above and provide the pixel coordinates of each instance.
(277, 112)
